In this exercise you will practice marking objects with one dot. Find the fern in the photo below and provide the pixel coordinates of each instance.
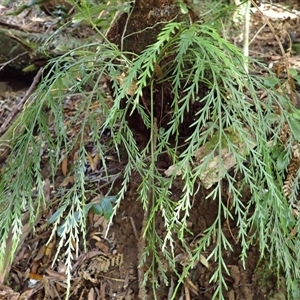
(229, 115)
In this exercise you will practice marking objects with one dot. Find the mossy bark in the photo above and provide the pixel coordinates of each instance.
(19, 49)
(12, 50)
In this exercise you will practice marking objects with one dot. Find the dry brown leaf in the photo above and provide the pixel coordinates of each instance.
(158, 71)
(40, 253)
(294, 231)
(96, 160)
(133, 87)
(93, 161)
(101, 246)
(91, 294)
(90, 216)
(188, 283)
(49, 248)
(75, 156)
(34, 267)
(57, 275)
(7, 293)
(102, 289)
(64, 166)
(50, 290)
(26, 295)
(204, 261)
(219, 165)
(173, 169)
(66, 181)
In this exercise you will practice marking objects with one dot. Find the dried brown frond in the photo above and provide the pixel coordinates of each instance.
(285, 133)
(291, 175)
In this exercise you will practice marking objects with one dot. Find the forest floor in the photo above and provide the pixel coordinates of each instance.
(109, 267)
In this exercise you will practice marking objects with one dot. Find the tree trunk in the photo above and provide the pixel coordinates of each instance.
(134, 32)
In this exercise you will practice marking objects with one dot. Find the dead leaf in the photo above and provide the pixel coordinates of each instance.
(204, 261)
(49, 248)
(294, 231)
(66, 181)
(57, 275)
(64, 166)
(223, 161)
(35, 266)
(173, 169)
(133, 86)
(91, 294)
(93, 161)
(100, 245)
(158, 71)
(75, 156)
(7, 293)
(50, 290)
(188, 283)
(40, 253)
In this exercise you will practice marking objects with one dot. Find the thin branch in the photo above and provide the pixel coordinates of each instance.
(8, 62)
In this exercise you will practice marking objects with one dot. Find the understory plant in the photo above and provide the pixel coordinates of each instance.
(242, 115)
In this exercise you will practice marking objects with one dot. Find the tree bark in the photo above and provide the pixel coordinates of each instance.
(134, 32)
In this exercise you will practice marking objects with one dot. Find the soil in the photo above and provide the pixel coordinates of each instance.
(108, 268)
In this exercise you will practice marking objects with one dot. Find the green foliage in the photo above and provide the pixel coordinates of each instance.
(191, 57)
(102, 206)
(91, 12)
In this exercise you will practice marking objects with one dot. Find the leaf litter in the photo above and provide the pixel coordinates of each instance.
(108, 269)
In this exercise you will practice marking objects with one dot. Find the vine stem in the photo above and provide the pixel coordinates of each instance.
(150, 196)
